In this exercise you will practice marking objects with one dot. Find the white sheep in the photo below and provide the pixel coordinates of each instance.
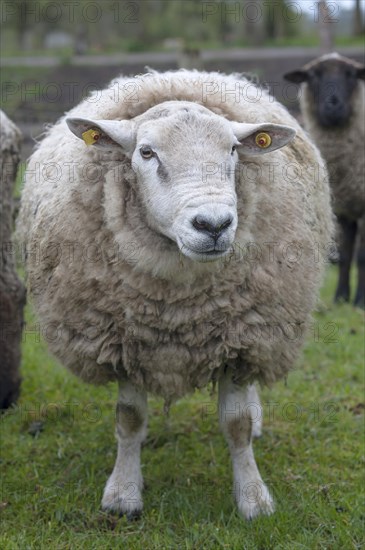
(182, 246)
(333, 107)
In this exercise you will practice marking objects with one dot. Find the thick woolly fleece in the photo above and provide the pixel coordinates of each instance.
(12, 291)
(341, 148)
(117, 300)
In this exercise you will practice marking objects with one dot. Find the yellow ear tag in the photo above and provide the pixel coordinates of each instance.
(263, 140)
(91, 136)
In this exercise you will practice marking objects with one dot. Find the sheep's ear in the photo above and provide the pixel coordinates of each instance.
(257, 139)
(105, 134)
(296, 76)
(360, 73)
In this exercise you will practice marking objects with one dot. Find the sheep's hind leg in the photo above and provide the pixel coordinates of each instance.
(360, 292)
(256, 411)
(235, 416)
(346, 250)
(123, 491)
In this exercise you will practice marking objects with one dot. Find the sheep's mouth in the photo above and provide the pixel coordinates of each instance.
(334, 119)
(204, 255)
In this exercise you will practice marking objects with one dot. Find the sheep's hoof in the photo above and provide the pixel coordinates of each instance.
(359, 301)
(134, 516)
(342, 296)
(253, 503)
(123, 499)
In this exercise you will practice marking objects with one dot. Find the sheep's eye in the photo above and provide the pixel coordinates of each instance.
(233, 149)
(146, 152)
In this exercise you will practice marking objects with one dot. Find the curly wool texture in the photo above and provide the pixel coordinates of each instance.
(342, 149)
(117, 300)
(12, 292)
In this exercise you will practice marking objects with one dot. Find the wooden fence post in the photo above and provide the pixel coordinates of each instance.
(326, 28)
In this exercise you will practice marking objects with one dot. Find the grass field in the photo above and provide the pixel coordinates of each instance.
(58, 449)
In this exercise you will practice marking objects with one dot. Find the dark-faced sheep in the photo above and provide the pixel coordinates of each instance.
(333, 106)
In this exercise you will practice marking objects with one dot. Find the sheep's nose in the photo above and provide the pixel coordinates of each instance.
(213, 227)
(333, 101)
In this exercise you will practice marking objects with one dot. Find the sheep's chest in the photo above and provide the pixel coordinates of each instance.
(172, 348)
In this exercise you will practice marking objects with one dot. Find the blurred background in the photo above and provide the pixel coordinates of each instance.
(53, 53)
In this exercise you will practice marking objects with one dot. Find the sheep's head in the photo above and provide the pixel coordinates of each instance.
(331, 81)
(184, 157)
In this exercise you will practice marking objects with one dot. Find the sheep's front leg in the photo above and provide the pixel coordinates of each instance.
(237, 405)
(123, 491)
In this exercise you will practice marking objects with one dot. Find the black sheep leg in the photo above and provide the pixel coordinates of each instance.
(360, 292)
(346, 251)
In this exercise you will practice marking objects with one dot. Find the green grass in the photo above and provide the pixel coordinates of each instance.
(311, 455)
(312, 40)
(126, 45)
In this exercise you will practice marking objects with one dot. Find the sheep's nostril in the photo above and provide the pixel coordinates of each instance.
(225, 224)
(213, 228)
(333, 100)
(201, 224)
